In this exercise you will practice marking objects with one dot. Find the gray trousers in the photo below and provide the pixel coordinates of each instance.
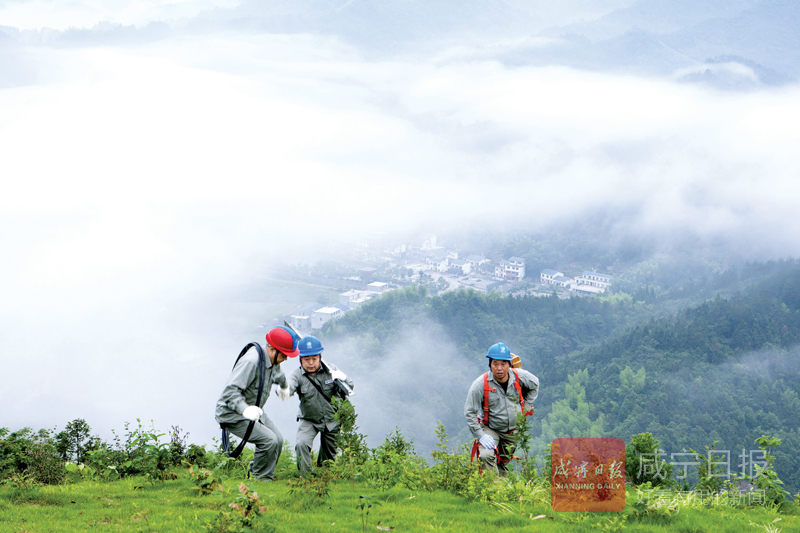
(268, 442)
(506, 444)
(306, 433)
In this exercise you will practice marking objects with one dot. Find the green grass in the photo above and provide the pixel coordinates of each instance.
(175, 506)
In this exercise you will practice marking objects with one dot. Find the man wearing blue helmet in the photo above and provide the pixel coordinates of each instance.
(493, 401)
(316, 383)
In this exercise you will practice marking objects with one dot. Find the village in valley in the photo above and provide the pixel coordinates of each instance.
(367, 269)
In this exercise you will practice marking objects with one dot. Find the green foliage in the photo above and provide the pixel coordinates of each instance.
(314, 489)
(353, 449)
(75, 441)
(388, 468)
(208, 481)
(247, 505)
(364, 505)
(450, 471)
(79, 472)
(178, 446)
(643, 463)
(145, 454)
(246, 508)
(25, 455)
(508, 504)
(197, 455)
(41, 456)
(105, 461)
(483, 486)
(710, 473)
(650, 506)
(766, 478)
(397, 443)
(526, 464)
(574, 416)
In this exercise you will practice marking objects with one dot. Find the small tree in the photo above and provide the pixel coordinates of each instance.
(643, 461)
(766, 478)
(75, 442)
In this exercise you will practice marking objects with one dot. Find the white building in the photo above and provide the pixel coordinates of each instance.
(347, 297)
(461, 265)
(562, 281)
(584, 290)
(438, 261)
(594, 279)
(378, 286)
(516, 267)
(354, 298)
(549, 276)
(321, 316)
(301, 318)
(512, 270)
(475, 260)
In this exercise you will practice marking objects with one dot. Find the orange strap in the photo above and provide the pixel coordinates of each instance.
(476, 453)
(521, 397)
(486, 390)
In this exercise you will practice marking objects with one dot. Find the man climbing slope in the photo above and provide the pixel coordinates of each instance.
(492, 404)
(236, 406)
(315, 384)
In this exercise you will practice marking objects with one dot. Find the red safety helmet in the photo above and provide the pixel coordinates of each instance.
(283, 341)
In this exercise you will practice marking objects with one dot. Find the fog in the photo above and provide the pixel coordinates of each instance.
(158, 157)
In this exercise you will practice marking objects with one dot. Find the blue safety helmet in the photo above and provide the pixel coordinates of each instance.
(498, 351)
(310, 345)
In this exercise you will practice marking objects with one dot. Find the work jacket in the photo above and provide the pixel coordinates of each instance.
(316, 407)
(242, 387)
(503, 406)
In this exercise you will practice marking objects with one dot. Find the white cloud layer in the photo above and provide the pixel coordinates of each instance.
(141, 184)
(36, 14)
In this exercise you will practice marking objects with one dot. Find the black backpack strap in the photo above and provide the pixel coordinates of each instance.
(316, 386)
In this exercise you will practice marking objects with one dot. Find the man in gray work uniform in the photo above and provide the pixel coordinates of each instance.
(236, 406)
(315, 384)
(493, 401)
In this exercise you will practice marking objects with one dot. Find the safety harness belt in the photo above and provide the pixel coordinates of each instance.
(262, 371)
(487, 389)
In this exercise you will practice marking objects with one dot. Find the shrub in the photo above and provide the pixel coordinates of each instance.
(450, 471)
(353, 449)
(32, 456)
(75, 442)
(709, 472)
(766, 478)
(643, 463)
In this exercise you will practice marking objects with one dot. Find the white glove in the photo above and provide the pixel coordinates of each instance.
(338, 374)
(283, 393)
(251, 412)
(487, 442)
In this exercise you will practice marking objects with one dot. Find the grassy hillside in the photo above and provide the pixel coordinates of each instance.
(135, 505)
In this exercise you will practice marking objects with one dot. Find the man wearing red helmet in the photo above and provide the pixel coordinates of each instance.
(236, 406)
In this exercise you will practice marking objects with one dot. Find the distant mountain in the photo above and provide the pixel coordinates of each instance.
(759, 39)
(731, 44)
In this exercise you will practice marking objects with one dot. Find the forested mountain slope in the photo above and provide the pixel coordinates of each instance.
(727, 369)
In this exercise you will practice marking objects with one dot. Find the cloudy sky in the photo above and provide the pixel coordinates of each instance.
(156, 154)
